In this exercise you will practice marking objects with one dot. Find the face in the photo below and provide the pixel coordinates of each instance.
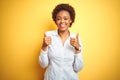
(63, 20)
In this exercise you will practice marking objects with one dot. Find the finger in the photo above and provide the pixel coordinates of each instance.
(74, 44)
(77, 37)
(47, 37)
(44, 35)
(71, 42)
(49, 42)
(73, 39)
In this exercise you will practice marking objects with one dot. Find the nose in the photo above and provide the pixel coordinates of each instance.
(62, 20)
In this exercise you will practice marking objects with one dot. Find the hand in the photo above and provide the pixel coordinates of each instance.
(75, 42)
(46, 41)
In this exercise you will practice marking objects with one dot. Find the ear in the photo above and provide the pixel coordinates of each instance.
(70, 20)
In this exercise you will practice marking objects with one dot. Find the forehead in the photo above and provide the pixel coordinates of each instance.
(63, 13)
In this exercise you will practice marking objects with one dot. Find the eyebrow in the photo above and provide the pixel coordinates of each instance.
(63, 16)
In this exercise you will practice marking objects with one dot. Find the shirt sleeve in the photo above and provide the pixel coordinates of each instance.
(43, 58)
(78, 60)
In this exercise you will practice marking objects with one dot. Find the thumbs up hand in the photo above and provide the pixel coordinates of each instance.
(46, 41)
(75, 42)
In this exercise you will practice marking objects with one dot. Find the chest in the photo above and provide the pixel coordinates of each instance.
(59, 51)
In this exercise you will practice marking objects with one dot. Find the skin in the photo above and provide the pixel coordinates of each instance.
(63, 21)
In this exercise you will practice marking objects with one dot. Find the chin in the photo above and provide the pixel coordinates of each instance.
(62, 30)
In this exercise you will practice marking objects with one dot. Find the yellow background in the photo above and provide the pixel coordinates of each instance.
(23, 23)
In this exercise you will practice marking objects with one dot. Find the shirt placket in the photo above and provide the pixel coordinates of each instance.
(63, 57)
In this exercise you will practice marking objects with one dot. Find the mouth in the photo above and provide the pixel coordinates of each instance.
(62, 25)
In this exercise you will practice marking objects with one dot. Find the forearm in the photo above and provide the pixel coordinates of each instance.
(43, 58)
(78, 62)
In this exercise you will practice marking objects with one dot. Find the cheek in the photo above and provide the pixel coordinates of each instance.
(57, 22)
(69, 22)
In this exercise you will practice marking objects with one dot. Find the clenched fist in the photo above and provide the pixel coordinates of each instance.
(46, 41)
(75, 42)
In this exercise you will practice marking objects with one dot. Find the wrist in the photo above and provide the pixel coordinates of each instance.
(77, 50)
(44, 48)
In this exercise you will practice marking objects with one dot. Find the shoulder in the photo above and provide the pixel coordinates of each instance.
(49, 33)
(73, 35)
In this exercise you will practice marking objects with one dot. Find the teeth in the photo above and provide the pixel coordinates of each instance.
(62, 25)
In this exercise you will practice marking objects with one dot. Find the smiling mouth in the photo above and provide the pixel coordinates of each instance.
(62, 25)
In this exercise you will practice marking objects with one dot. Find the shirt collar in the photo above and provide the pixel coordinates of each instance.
(56, 33)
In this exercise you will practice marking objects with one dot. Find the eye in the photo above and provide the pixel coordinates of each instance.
(57, 19)
(66, 18)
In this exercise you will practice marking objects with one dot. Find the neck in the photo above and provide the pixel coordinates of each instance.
(63, 34)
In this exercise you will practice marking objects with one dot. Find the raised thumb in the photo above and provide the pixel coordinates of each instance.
(77, 36)
(44, 35)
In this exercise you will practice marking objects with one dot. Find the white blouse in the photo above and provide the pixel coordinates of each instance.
(61, 61)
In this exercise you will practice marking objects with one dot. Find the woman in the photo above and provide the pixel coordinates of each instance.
(61, 49)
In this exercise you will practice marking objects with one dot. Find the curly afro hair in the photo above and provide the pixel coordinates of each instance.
(65, 7)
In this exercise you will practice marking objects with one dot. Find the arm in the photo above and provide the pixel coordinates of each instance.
(78, 61)
(43, 58)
